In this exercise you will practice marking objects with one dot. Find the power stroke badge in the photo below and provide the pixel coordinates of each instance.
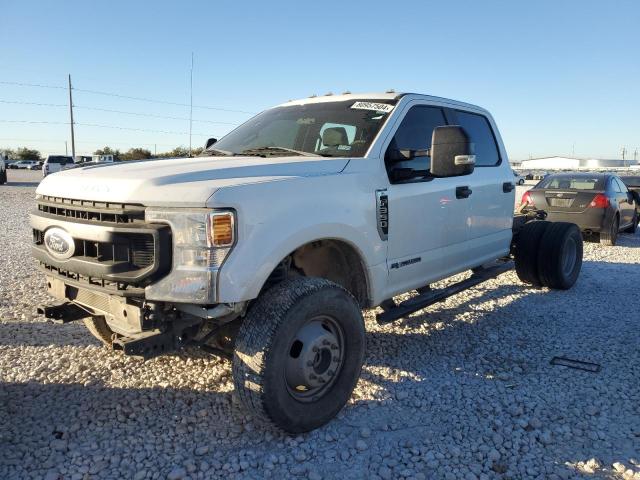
(59, 243)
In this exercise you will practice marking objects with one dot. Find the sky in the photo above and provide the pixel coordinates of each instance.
(559, 77)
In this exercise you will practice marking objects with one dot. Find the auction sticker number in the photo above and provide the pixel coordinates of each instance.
(376, 107)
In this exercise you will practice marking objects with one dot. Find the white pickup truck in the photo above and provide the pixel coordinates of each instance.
(267, 248)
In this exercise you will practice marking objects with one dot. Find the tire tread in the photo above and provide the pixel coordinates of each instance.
(257, 334)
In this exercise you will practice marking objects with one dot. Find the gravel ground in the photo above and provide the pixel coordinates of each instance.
(462, 390)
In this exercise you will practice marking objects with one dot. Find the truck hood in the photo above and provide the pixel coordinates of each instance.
(184, 182)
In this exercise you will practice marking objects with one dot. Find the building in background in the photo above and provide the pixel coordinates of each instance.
(571, 163)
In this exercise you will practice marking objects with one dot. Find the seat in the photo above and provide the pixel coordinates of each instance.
(334, 137)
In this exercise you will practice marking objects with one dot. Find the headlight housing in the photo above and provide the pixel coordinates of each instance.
(202, 239)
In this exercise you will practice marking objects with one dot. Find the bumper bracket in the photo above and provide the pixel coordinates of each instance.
(63, 312)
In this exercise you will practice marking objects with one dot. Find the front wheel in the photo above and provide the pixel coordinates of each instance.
(3, 177)
(299, 353)
(609, 235)
(98, 327)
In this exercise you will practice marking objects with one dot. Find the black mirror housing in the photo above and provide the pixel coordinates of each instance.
(210, 142)
(451, 152)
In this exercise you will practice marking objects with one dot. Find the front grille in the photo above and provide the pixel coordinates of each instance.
(104, 212)
(115, 249)
(134, 249)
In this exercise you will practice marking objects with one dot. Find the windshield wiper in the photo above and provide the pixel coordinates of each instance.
(261, 151)
(209, 152)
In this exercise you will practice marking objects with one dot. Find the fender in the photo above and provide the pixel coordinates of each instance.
(276, 218)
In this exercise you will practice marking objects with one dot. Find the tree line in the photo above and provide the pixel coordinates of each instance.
(24, 153)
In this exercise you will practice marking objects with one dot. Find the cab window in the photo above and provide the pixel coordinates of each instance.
(481, 135)
(407, 158)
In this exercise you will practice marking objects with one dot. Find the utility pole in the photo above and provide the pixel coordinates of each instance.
(66, 151)
(191, 106)
(635, 155)
(73, 140)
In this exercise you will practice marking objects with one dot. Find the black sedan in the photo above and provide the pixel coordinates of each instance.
(599, 203)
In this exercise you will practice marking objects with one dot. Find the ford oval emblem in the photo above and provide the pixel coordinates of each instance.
(59, 243)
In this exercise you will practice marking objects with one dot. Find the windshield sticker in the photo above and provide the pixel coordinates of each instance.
(344, 147)
(376, 107)
(306, 121)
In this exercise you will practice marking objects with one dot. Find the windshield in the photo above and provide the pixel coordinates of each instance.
(572, 183)
(329, 129)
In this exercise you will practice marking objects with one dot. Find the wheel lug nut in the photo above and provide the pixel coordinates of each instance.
(314, 349)
(325, 342)
(334, 347)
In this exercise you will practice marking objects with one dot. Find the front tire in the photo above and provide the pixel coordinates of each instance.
(3, 177)
(634, 224)
(299, 353)
(98, 327)
(609, 236)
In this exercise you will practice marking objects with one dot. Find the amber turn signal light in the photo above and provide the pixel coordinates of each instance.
(221, 229)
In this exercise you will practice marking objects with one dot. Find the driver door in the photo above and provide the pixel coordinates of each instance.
(427, 223)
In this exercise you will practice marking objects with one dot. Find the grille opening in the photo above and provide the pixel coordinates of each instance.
(104, 212)
(135, 249)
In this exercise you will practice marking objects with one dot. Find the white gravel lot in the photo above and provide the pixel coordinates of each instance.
(462, 390)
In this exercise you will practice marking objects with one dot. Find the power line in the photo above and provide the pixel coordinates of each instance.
(95, 142)
(19, 84)
(33, 121)
(165, 102)
(138, 129)
(128, 97)
(152, 115)
(138, 114)
(104, 126)
(16, 102)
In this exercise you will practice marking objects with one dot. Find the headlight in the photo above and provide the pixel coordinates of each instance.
(202, 239)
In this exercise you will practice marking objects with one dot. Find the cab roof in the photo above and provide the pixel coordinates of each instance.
(376, 96)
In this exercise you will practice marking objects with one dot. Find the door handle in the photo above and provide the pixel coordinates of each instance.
(508, 187)
(463, 192)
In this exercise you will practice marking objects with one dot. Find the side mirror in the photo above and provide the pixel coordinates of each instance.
(451, 152)
(210, 142)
